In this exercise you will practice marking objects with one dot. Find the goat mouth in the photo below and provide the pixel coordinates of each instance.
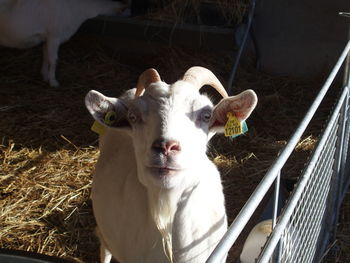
(164, 171)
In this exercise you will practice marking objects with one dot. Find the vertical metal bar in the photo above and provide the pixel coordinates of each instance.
(343, 141)
(241, 47)
(256, 47)
(347, 66)
(275, 199)
(346, 156)
(346, 160)
(276, 255)
(337, 170)
(341, 137)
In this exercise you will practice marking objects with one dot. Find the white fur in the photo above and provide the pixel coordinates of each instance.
(27, 23)
(258, 237)
(256, 241)
(143, 215)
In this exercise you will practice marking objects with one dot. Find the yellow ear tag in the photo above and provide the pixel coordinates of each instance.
(233, 126)
(98, 128)
(109, 119)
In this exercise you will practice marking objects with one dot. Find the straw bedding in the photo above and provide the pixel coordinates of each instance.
(47, 152)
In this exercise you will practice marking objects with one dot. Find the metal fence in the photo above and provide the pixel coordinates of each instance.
(307, 223)
(305, 213)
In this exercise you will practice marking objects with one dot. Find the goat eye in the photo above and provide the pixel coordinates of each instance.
(205, 116)
(132, 117)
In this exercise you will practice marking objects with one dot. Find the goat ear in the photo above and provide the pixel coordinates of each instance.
(240, 105)
(110, 112)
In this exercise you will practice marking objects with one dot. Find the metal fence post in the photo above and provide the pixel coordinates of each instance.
(276, 255)
(241, 48)
(347, 62)
(343, 147)
(337, 170)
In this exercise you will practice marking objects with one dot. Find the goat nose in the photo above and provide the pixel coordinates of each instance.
(166, 146)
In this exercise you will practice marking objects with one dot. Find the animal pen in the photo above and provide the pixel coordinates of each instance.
(308, 221)
(295, 238)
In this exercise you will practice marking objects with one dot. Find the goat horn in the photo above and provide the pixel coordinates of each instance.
(146, 78)
(199, 76)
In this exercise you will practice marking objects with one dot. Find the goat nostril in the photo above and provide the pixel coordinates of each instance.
(166, 146)
(173, 146)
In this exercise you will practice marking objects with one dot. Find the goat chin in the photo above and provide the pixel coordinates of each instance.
(166, 179)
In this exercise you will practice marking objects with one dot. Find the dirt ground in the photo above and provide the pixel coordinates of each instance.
(47, 151)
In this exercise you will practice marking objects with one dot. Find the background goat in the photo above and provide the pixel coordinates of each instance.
(26, 23)
(156, 195)
(256, 241)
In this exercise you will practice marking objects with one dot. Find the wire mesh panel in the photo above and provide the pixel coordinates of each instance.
(311, 207)
(299, 240)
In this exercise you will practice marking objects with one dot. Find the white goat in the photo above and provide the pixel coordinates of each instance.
(26, 23)
(258, 236)
(256, 241)
(156, 195)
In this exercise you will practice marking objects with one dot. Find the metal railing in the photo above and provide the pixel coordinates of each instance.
(297, 235)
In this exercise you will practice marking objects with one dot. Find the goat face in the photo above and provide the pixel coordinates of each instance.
(170, 126)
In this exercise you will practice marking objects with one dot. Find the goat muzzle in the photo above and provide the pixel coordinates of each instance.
(166, 147)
